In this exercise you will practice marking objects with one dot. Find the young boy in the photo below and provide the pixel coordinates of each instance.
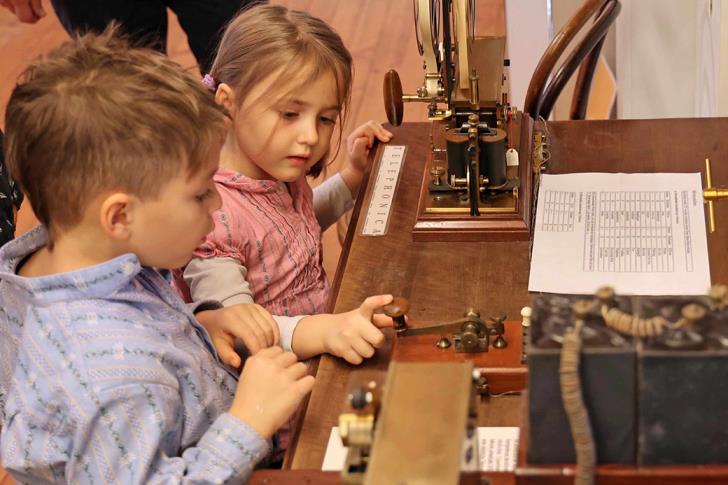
(106, 375)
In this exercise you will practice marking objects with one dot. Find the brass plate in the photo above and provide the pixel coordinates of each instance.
(451, 203)
(421, 426)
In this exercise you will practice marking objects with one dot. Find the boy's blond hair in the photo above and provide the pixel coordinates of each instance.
(266, 39)
(96, 115)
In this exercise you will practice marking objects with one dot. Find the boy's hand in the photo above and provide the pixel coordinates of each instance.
(270, 388)
(356, 333)
(250, 323)
(360, 141)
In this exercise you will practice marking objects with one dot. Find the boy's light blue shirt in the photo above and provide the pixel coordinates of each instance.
(107, 377)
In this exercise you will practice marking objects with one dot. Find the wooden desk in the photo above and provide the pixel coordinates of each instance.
(442, 279)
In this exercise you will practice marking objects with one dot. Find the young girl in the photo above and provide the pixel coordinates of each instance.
(285, 79)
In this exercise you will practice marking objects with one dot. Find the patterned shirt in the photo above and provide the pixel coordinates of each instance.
(107, 377)
(272, 230)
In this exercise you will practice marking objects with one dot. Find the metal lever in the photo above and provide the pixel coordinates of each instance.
(440, 328)
(470, 333)
(711, 194)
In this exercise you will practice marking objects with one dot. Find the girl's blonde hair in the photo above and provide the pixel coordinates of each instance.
(266, 39)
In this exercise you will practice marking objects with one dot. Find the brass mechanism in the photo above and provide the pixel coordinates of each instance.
(356, 426)
(470, 334)
(426, 429)
(463, 88)
(711, 194)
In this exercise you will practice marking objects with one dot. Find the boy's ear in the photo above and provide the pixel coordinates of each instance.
(117, 215)
(225, 97)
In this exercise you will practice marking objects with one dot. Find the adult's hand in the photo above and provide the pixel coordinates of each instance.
(28, 11)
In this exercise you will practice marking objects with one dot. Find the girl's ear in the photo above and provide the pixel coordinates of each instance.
(225, 97)
(116, 215)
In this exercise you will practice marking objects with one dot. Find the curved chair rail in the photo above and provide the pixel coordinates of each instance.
(541, 97)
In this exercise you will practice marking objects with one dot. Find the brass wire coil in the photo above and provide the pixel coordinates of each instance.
(576, 411)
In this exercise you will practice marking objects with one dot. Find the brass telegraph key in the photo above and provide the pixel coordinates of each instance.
(470, 334)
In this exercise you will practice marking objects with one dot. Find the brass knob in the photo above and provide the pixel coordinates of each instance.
(437, 173)
(498, 318)
(692, 312)
(469, 340)
(393, 104)
(498, 328)
(472, 312)
(605, 295)
(396, 310)
(443, 342)
(581, 308)
(500, 342)
(718, 295)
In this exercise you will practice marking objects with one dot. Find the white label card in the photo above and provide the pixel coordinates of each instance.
(385, 185)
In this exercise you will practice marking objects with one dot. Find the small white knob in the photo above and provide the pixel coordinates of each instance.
(476, 374)
(526, 316)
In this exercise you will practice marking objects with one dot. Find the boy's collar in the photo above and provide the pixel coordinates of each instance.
(98, 281)
(12, 253)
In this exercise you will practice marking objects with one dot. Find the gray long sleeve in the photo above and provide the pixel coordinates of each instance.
(223, 280)
(331, 200)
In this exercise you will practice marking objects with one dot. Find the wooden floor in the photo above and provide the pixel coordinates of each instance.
(379, 34)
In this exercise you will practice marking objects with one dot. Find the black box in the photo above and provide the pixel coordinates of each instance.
(683, 391)
(608, 377)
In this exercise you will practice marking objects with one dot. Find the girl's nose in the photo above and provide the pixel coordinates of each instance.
(309, 133)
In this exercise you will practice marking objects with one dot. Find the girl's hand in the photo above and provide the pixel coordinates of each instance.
(270, 388)
(360, 142)
(250, 323)
(356, 333)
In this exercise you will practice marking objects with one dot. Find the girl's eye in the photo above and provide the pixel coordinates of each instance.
(289, 114)
(328, 121)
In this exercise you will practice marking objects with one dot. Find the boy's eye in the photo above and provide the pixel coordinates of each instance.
(201, 197)
(289, 114)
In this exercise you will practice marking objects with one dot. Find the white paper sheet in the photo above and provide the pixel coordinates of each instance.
(497, 448)
(642, 234)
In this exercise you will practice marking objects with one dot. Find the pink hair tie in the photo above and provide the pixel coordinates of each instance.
(210, 83)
